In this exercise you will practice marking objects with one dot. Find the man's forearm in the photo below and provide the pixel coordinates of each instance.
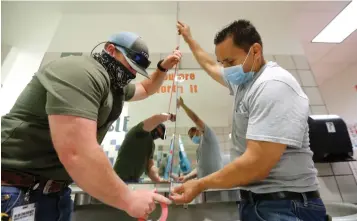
(152, 171)
(192, 174)
(152, 122)
(206, 62)
(192, 115)
(202, 57)
(240, 172)
(92, 172)
(153, 84)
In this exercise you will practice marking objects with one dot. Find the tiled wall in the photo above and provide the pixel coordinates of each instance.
(300, 68)
(338, 181)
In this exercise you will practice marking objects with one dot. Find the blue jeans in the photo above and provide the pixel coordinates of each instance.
(50, 207)
(283, 210)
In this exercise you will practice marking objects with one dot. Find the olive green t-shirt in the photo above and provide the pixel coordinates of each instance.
(74, 85)
(134, 154)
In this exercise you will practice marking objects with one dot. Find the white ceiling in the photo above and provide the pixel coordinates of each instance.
(326, 60)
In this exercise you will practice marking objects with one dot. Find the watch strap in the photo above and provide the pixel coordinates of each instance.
(160, 67)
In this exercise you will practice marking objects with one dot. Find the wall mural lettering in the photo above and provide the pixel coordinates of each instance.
(187, 88)
(118, 127)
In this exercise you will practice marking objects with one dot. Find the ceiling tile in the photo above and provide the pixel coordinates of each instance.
(320, 109)
(316, 51)
(301, 62)
(343, 52)
(314, 95)
(285, 61)
(296, 75)
(352, 39)
(269, 57)
(325, 70)
(307, 78)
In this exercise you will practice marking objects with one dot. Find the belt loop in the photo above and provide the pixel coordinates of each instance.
(46, 188)
(304, 199)
(251, 199)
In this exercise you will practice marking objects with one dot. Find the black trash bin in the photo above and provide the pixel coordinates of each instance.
(329, 139)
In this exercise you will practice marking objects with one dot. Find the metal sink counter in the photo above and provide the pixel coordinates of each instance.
(82, 198)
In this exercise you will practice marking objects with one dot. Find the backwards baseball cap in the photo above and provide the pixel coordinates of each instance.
(159, 132)
(134, 50)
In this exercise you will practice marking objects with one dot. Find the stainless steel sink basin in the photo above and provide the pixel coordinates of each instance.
(342, 211)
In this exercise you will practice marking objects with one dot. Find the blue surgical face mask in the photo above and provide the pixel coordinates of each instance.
(236, 74)
(196, 139)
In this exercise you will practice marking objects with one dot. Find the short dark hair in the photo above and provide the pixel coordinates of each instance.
(106, 45)
(243, 32)
(192, 130)
(109, 43)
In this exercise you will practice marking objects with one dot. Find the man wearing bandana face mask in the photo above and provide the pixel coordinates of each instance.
(136, 153)
(59, 119)
(271, 158)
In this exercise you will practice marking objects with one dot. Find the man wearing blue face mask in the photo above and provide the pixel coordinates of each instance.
(208, 154)
(271, 159)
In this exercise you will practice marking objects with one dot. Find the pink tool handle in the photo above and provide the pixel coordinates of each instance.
(164, 213)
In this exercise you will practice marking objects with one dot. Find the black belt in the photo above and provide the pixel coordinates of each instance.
(247, 195)
(19, 179)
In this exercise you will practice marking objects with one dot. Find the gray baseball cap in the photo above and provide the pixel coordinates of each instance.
(134, 50)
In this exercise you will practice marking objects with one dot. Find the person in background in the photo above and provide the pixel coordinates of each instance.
(208, 154)
(50, 136)
(162, 164)
(272, 163)
(136, 153)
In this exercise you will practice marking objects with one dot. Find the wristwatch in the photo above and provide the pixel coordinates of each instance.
(171, 116)
(159, 66)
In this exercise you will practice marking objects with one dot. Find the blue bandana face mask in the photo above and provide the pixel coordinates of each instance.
(236, 74)
(196, 139)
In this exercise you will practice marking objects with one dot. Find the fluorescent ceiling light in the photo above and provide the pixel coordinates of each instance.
(340, 27)
(319, 117)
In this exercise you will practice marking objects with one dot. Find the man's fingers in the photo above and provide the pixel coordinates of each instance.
(177, 55)
(178, 189)
(161, 199)
(152, 207)
(178, 199)
(180, 23)
(145, 217)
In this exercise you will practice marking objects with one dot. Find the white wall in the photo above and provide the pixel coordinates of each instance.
(5, 49)
(81, 31)
(29, 29)
(340, 94)
(8, 61)
(28, 25)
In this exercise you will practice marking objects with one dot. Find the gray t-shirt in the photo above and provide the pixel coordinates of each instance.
(209, 159)
(274, 108)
